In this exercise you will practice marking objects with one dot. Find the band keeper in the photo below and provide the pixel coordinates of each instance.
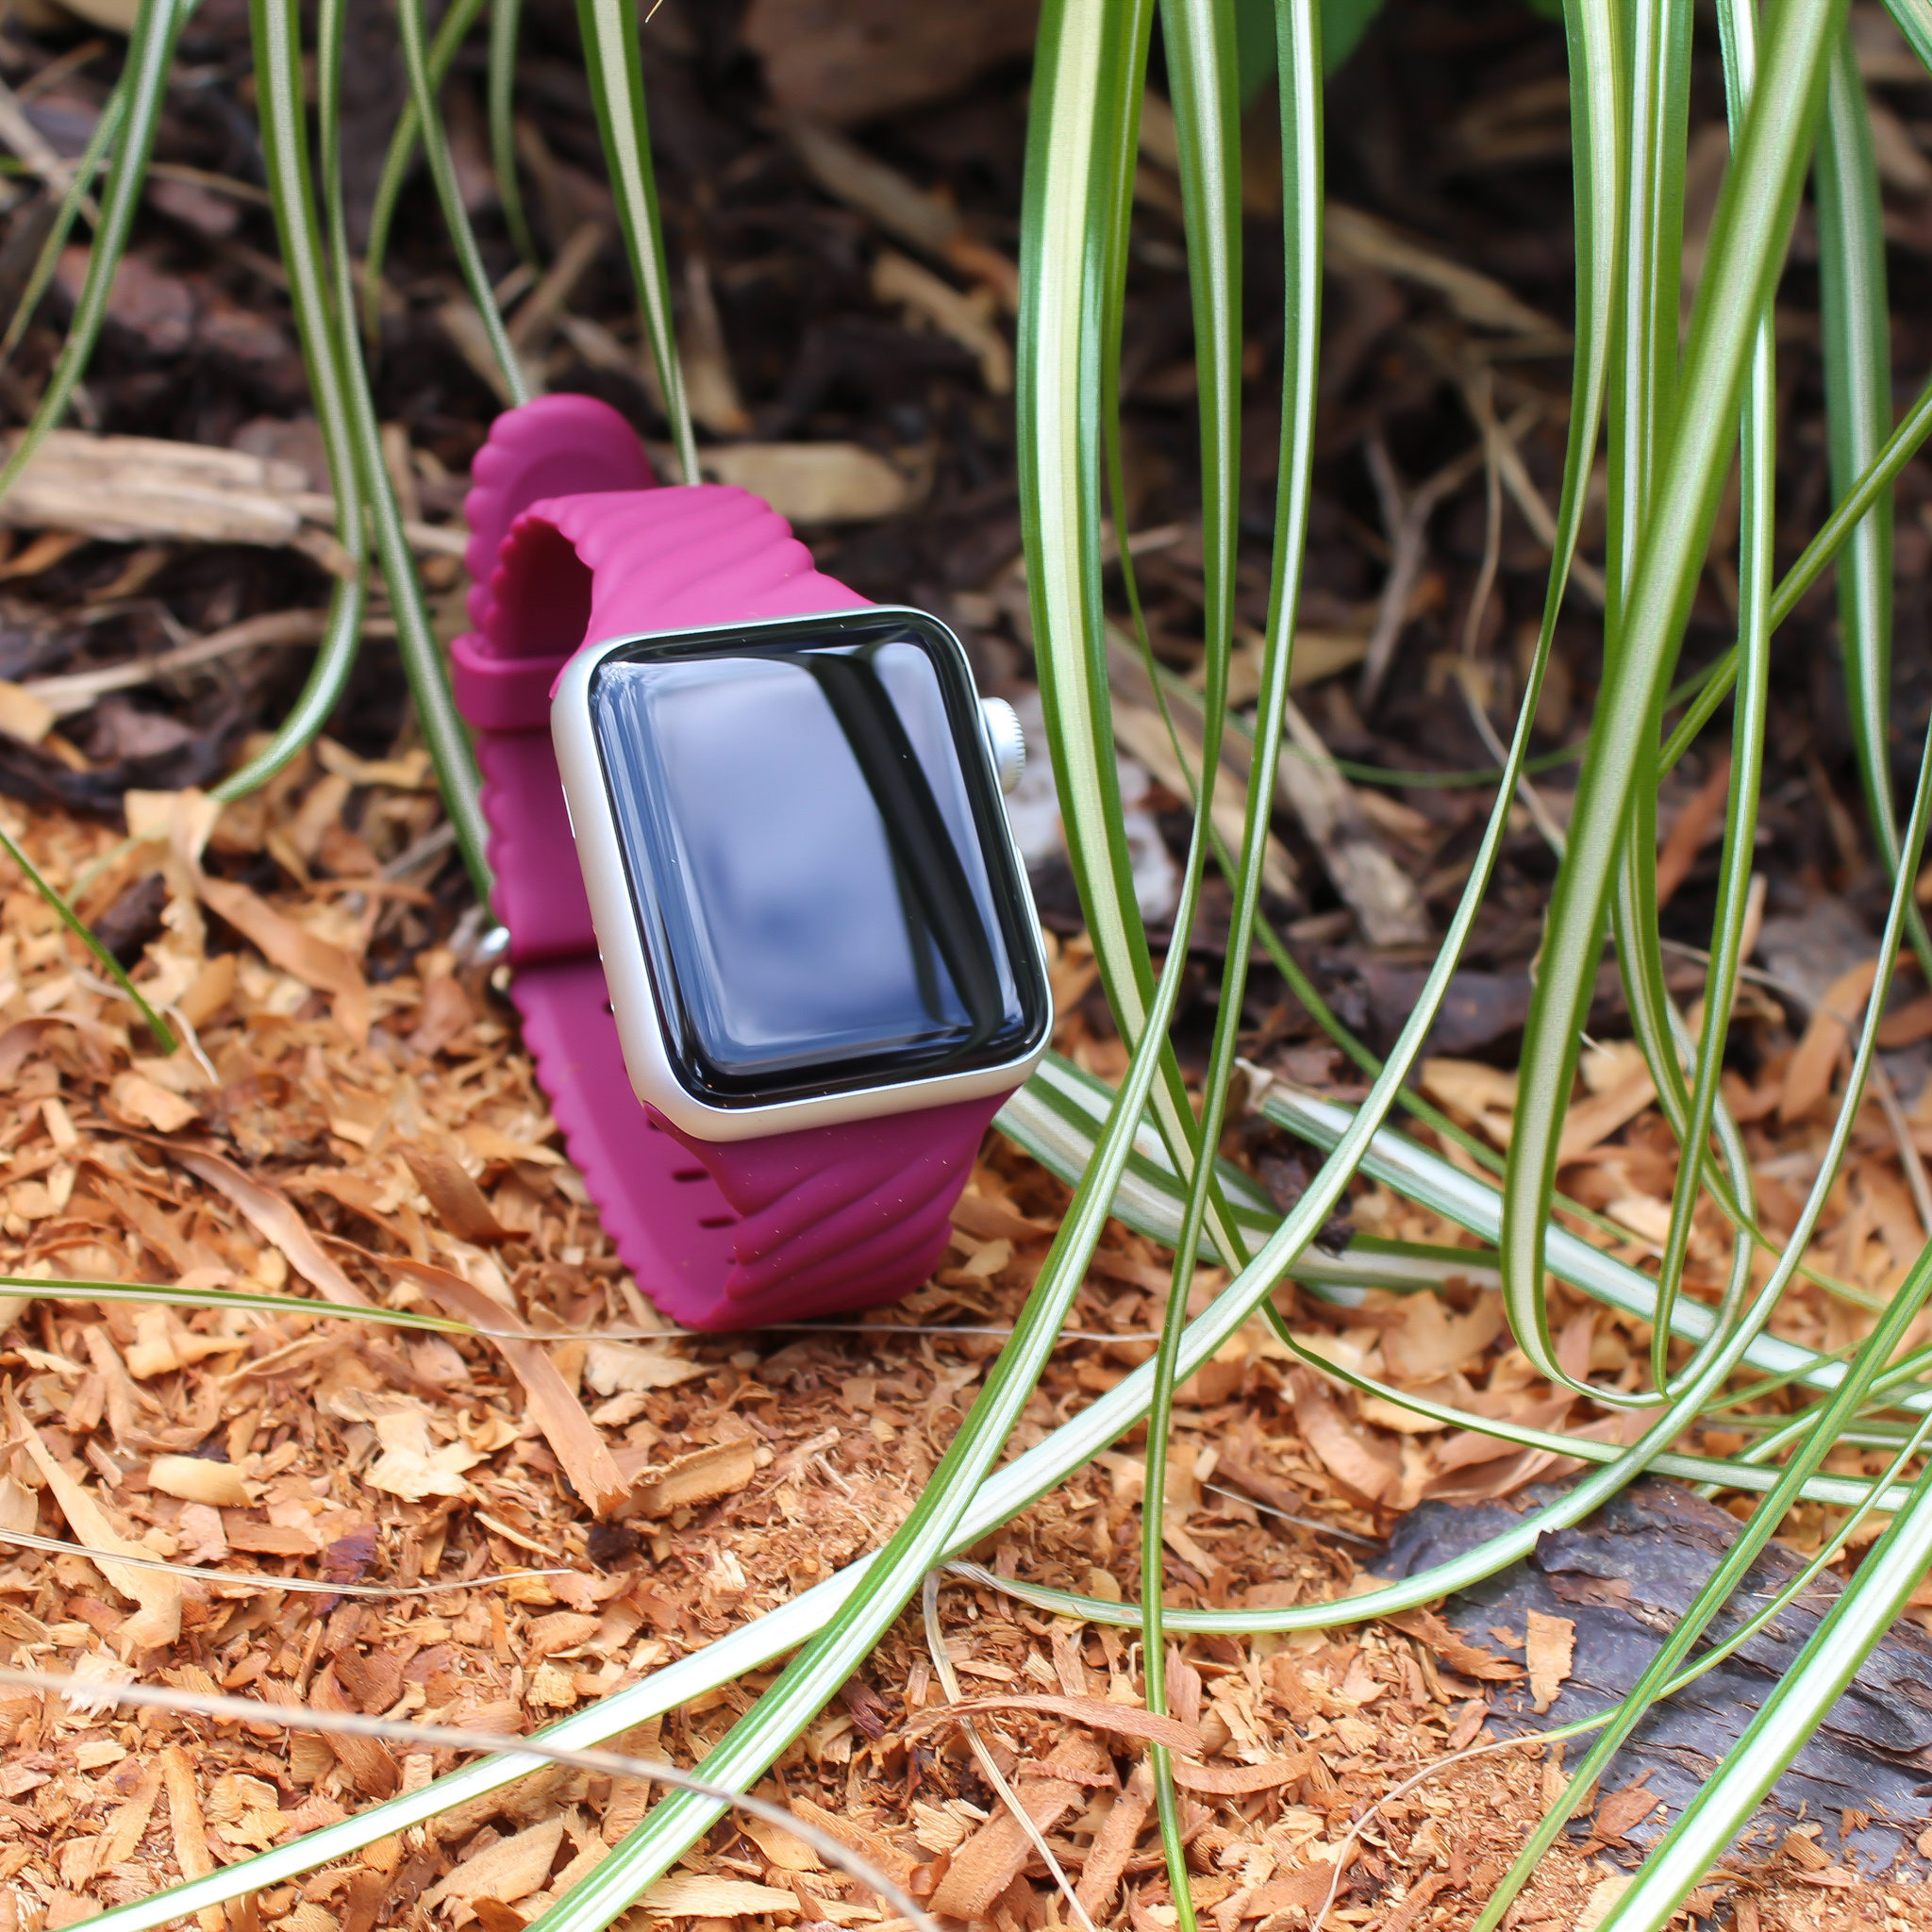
(501, 693)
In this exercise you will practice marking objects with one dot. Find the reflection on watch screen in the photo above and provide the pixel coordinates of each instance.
(817, 857)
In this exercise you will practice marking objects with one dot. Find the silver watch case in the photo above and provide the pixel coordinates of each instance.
(634, 1001)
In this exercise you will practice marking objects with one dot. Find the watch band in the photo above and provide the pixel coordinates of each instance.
(570, 541)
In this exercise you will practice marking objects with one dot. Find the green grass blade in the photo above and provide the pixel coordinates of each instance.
(1752, 225)
(436, 713)
(451, 31)
(161, 1294)
(505, 18)
(1645, 367)
(150, 55)
(615, 66)
(1421, 1175)
(1203, 84)
(92, 158)
(85, 934)
(1757, 537)
(1855, 336)
(1082, 273)
(282, 120)
(455, 217)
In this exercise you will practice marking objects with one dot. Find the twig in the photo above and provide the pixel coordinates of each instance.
(1407, 527)
(1408, 522)
(32, 147)
(310, 1586)
(77, 690)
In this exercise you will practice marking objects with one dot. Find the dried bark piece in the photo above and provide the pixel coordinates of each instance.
(1113, 1843)
(191, 1855)
(851, 59)
(871, 1845)
(157, 1622)
(456, 1199)
(281, 941)
(1807, 1077)
(709, 1895)
(1242, 1780)
(1124, 1719)
(719, 1469)
(507, 1870)
(997, 1853)
(272, 1215)
(195, 1479)
(1628, 1572)
(367, 1760)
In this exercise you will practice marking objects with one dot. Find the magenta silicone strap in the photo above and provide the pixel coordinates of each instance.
(570, 541)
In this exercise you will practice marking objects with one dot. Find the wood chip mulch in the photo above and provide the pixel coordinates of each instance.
(370, 1139)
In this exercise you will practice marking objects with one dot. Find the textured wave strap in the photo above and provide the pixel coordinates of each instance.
(569, 541)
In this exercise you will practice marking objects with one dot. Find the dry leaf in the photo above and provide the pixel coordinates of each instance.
(157, 1622)
(1467, 1660)
(457, 1200)
(274, 1216)
(553, 1404)
(1551, 1644)
(813, 482)
(1351, 1454)
(509, 1870)
(135, 1097)
(1623, 1810)
(281, 941)
(1807, 1077)
(611, 1368)
(1434, 1340)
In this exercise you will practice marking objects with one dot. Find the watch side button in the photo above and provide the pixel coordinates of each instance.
(1004, 739)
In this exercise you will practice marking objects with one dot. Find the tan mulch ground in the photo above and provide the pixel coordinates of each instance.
(322, 1134)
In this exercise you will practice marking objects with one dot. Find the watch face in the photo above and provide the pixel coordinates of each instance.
(817, 856)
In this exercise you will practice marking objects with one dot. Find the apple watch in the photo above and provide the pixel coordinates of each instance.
(792, 969)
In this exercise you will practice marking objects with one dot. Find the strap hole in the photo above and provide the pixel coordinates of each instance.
(691, 1174)
(719, 1221)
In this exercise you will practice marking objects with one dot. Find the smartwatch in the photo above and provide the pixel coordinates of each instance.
(772, 945)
